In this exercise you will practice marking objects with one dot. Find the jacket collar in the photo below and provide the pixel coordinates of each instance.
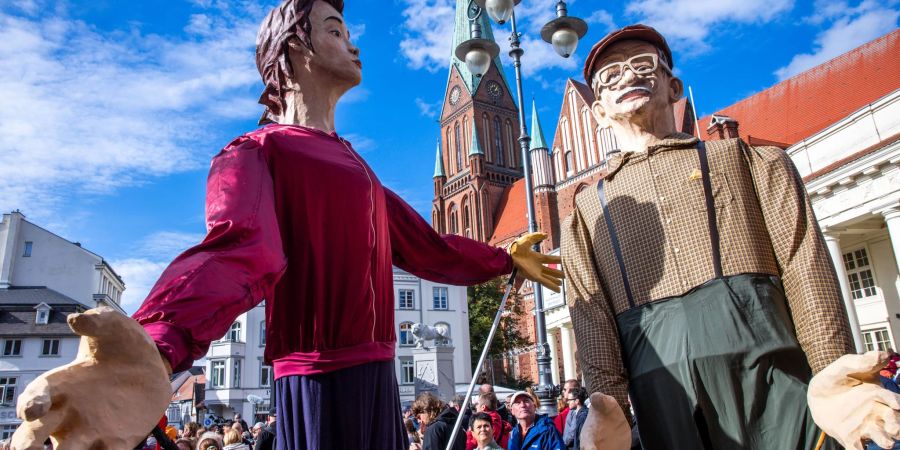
(619, 159)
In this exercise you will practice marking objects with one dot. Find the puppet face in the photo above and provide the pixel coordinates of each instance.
(634, 90)
(335, 58)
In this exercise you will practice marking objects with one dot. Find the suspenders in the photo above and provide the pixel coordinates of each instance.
(712, 224)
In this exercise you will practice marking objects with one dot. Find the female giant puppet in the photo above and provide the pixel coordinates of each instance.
(700, 286)
(296, 217)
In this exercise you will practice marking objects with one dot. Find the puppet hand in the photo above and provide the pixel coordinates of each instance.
(605, 427)
(531, 263)
(848, 403)
(110, 396)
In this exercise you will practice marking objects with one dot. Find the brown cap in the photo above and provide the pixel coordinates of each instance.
(638, 32)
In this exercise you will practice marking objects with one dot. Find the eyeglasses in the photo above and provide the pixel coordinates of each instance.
(643, 64)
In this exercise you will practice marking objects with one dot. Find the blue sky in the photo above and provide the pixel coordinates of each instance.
(110, 111)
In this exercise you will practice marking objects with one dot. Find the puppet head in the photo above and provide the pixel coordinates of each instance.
(630, 73)
(303, 35)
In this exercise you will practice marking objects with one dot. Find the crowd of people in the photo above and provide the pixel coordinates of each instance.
(489, 424)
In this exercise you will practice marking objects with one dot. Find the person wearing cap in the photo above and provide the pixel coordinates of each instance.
(532, 430)
(697, 277)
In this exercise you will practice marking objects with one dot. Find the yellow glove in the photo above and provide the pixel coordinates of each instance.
(531, 263)
(849, 404)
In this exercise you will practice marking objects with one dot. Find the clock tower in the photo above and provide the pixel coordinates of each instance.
(479, 155)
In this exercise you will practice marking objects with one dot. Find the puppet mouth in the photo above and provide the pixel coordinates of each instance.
(634, 92)
(358, 63)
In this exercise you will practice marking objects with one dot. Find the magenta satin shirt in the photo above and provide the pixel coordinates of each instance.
(295, 216)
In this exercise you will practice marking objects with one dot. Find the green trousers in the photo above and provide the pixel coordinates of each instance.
(719, 368)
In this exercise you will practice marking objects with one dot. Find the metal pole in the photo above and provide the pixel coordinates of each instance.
(484, 352)
(545, 390)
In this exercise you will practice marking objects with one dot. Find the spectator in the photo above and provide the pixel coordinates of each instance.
(233, 439)
(411, 432)
(436, 423)
(458, 401)
(560, 419)
(483, 432)
(266, 438)
(191, 430)
(244, 433)
(502, 409)
(238, 418)
(577, 415)
(210, 441)
(532, 431)
(488, 404)
(257, 427)
(184, 444)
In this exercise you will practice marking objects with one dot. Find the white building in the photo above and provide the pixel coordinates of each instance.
(235, 368)
(43, 278)
(852, 172)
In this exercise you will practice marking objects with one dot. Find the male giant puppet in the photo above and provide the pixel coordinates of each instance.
(296, 217)
(699, 283)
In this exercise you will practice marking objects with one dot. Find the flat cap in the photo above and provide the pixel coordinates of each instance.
(637, 32)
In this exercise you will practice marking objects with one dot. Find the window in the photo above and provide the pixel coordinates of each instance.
(407, 299)
(407, 371)
(262, 334)
(440, 298)
(877, 339)
(43, 316)
(512, 143)
(234, 333)
(458, 148)
(6, 431)
(454, 217)
(12, 347)
(50, 347)
(236, 374)
(218, 374)
(406, 336)
(265, 375)
(7, 390)
(862, 283)
(498, 141)
(486, 128)
(28, 246)
(570, 163)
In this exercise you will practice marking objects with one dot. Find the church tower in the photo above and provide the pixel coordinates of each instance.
(480, 155)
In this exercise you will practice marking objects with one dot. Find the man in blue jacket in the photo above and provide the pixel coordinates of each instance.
(533, 431)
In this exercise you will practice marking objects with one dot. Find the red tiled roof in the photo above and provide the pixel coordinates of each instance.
(811, 101)
(512, 215)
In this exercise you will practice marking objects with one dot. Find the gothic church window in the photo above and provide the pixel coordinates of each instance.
(458, 148)
(512, 143)
(498, 141)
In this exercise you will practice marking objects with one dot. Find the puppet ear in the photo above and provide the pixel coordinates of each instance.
(600, 113)
(676, 89)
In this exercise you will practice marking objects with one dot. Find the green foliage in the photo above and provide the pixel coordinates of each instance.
(484, 300)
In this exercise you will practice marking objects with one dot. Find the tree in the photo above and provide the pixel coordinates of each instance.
(484, 300)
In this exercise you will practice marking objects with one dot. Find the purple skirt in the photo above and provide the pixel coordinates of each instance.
(353, 408)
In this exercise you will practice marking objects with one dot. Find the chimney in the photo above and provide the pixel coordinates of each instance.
(722, 127)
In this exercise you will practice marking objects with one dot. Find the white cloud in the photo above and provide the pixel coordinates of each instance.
(429, 110)
(686, 24)
(539, 56)
(603, 18)
(428, 31)
(850, 28)
(360, 143)
(84, 110)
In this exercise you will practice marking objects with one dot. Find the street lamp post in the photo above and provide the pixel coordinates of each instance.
(563, 33)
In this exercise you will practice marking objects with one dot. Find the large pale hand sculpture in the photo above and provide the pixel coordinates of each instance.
(63, 404)
(848, 402)
(605, 427)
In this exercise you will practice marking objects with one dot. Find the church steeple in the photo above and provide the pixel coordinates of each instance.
(540, 155)
(537, 133)
(465, 11)
(439, 162)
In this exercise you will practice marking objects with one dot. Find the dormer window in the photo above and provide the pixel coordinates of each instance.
(42, 317)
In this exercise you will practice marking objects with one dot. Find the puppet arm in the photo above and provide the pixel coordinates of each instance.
(810, 283)
(593, 319)
(237, 265)
(452, 259)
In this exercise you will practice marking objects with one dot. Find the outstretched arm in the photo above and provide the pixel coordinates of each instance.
(205, 288)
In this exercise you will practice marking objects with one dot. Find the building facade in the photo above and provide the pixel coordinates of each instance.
(43, 279)
(239, 380)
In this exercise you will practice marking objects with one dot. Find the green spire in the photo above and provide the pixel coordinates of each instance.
(475, 147)
(463, 32)
(537, 133)
(439, 162)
